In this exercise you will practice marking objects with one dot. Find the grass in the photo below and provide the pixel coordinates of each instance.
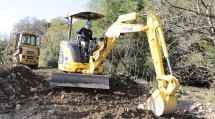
(196, 94)
(190, 92)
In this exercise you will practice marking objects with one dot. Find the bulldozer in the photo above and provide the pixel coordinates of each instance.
(78, 73)
(26, 49)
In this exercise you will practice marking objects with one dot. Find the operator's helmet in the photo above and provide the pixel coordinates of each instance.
(89, 23)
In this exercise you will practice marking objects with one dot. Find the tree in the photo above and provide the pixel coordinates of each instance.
(31, 25)
(56, 32)
(130, 55)
(5, 42)
(189, 30)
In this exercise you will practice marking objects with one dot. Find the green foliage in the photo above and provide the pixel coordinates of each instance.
(130, 53)
(108, 66)
(2, 47)
(5, 45)
(212, 87)
(190, 37)
(208, 51)
(48, 59)
(56, 32)
(198, 64)
(191, 57)
(112, 9)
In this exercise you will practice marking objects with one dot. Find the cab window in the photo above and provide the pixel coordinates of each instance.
(28, 39)
(38, 41)
(33, 40)
(24, 39)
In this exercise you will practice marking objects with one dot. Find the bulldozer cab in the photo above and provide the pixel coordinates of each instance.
(25, 38)
(26, 49)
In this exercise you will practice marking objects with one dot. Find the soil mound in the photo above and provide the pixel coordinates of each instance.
(15, 81)
(32, 97)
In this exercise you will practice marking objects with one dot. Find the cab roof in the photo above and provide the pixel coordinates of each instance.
(87, 15)
(23, 32)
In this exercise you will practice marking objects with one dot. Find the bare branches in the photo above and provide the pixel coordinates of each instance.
(190, 10)
(197, 6)
(193, 29)
(202, 21)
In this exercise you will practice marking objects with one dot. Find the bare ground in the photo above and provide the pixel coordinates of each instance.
(26, 94)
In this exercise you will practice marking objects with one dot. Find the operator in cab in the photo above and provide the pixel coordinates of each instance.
(85, 34)
(84, 37)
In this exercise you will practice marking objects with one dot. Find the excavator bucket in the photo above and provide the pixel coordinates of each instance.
(160, 105)
(60, 79)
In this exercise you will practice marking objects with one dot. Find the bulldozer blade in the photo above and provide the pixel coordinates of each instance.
(59, 79)
(158, 104)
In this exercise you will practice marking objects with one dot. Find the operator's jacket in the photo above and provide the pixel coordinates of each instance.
(84, 34)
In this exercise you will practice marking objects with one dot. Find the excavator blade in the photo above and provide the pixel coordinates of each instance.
(60, 79)
(160, 105)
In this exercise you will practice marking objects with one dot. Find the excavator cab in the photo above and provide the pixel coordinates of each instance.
(87, 49)
(26, 49)
(74, 60)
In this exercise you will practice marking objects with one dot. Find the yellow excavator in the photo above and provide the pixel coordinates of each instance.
(26, 49)
(78, 73)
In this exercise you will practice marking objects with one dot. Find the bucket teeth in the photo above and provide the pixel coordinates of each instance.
(79, 80)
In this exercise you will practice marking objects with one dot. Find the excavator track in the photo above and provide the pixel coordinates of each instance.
(61, 79)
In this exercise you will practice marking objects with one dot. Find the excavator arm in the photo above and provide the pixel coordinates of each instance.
(162, 100)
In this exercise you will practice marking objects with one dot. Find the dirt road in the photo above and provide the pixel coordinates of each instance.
(34, 99)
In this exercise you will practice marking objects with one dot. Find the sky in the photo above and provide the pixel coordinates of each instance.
(11, 11)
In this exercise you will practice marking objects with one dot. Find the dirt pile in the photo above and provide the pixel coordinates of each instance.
(16, 81)
(35, 99)
(119, 102)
